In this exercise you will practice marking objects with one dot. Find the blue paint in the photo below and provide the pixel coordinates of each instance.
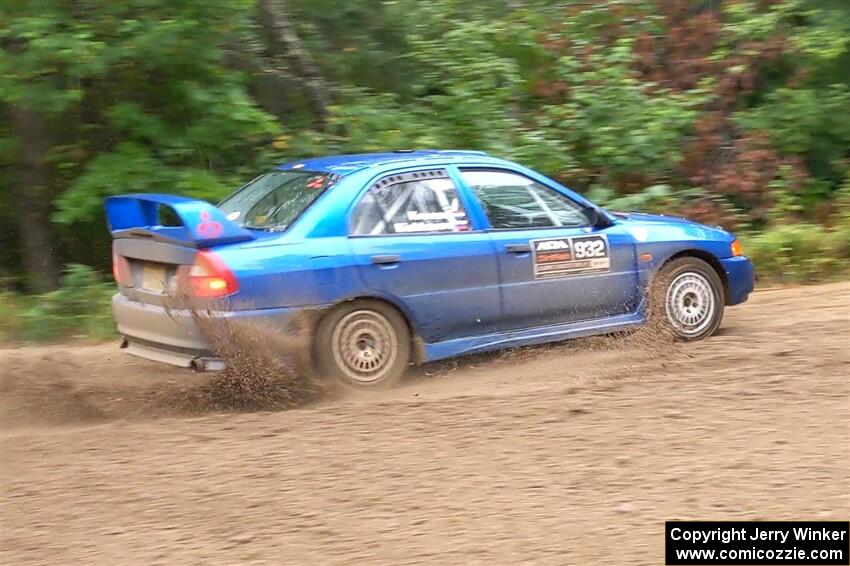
(346, 164)
(740, 277)
(203, 225)
(460, 292)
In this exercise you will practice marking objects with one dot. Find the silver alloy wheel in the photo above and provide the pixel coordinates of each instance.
(365, 345)
(690, 303)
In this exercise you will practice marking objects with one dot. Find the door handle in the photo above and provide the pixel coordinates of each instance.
(518, 248)
(385, 259)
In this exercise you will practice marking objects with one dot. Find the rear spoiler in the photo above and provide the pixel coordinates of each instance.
(202, 224)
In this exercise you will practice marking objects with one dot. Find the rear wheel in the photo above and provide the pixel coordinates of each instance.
(364, 344)
(688, 298)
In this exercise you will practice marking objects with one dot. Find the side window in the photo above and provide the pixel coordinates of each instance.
(424, 202)
(513, 201)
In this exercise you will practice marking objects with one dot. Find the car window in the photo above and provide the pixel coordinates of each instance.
(420, 202)
(274, 200)
(512, 201)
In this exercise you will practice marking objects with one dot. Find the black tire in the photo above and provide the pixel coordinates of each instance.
(363, 344)
(687, 299)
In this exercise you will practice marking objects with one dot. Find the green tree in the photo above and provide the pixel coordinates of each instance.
(114, 97)
(730, 105)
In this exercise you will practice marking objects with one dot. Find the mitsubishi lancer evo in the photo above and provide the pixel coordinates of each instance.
(407, 257)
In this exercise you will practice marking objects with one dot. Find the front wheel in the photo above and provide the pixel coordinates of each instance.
(689, 295)
(364, 344)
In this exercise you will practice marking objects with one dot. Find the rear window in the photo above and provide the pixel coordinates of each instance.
(275, 199)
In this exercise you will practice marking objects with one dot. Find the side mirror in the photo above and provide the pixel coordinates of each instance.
(596, 218)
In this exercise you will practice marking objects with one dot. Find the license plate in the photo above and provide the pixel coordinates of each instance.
(153, 278)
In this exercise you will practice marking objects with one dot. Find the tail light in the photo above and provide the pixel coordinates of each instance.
(121, 270)
(209, 277)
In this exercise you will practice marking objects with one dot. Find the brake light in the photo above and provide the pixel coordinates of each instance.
(121, 270)
(737, 250)
(210, 278)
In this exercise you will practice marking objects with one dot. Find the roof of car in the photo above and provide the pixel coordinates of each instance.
(345, 164)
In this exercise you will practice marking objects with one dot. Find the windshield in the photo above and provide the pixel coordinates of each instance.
(274, 200)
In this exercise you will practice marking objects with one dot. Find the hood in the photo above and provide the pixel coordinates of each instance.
(671, 226)
(643, 217)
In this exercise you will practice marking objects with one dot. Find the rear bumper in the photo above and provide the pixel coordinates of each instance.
(172, 336)
(740, 278)
(197, 360)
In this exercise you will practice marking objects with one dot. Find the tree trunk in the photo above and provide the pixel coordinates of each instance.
(285, 44)
(32, 198)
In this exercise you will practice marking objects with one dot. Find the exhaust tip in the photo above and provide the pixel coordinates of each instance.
(201, 365)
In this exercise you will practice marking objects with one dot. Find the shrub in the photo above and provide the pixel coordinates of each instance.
(79, 308)
(800, 253)
(694, 203)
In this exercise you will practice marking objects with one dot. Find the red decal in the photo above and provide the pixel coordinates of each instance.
(316, 183)
(209, 228)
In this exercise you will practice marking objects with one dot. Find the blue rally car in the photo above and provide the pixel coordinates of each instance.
(411, 256)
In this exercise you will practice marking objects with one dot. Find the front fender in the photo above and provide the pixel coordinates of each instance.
(660, 238)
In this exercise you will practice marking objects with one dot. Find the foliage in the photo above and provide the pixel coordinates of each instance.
(694, 203)
(735, 98)
(79, 308)
(796, 252)
(735, 107)
(133, 96)
(800, 253)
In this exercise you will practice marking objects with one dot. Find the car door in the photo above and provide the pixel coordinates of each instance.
(554, 266)
(416, 245)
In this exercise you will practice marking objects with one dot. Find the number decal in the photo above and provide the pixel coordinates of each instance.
(592, 248)
(576, 255)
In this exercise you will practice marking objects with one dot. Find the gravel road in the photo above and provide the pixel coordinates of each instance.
(568, 454)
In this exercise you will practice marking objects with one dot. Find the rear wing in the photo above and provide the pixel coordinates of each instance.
(198, 224)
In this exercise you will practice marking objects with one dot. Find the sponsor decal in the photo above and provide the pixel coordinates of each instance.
(316, 182)
(209, 228)
(576, 255)
(433, 222)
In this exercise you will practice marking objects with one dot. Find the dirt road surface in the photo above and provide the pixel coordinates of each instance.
(572, 454)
